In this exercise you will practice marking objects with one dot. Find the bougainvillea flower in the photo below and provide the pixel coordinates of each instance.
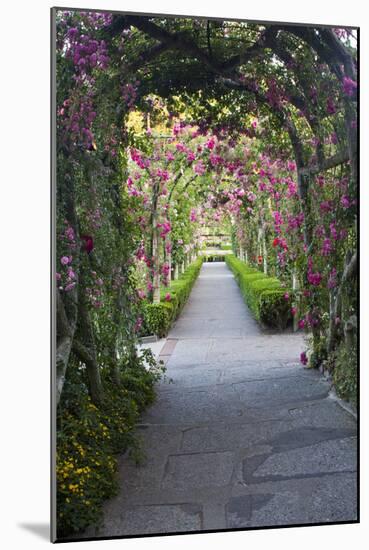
(89, 243)
(69, 287)
(349, 86)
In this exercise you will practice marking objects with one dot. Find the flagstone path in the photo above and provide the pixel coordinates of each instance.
(241, 436)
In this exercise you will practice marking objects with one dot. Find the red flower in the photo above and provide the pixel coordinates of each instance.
(89, 243)
(260, 259)
(276, 242)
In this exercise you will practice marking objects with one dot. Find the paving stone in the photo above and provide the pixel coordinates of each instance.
(190, 377)
(284, 508)
(305, 461)
(198, 470)
(227, 436)
(257, 393)
(154, 519)
(239, 509)
(334, 499)
(322, 413)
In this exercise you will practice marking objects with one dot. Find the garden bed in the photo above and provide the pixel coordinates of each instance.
(158, 318)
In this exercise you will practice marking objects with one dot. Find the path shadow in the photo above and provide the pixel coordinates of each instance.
(42, 530)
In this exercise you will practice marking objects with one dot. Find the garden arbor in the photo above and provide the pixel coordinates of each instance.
(267, 95)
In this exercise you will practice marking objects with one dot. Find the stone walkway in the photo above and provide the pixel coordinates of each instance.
(242, 435)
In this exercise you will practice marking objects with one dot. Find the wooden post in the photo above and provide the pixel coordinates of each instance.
(295, 285)
(156, 267)
(265, 261)
(169, 262)
(155, 248)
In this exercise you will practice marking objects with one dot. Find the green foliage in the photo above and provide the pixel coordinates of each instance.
(264, 295)
(256, 288)
(88, 438)
(274, 309)
(213, 258)
(318, 349)
(345, 373)
(158, 318)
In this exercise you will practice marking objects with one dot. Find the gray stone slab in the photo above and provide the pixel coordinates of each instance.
(284, 508)
(190, 352)
(154, 519)
(242, 371)
(234, 436)
(308, 461)
(193, 405)
(239, 509)
(325, 500)
(334, 499)
(323, 413)
(246, 350)
(198, 470)
(259, 394)
(190, 376)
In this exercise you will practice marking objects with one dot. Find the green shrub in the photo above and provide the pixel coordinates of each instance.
(158, 318)
(212, 244)
(226, 247)
(264, 295)
(345, 373)
(255, 290)
(274, 309)
(213, 258)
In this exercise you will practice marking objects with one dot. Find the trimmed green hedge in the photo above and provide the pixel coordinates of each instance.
(213, 257)
(158, 318)
(264, 295)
